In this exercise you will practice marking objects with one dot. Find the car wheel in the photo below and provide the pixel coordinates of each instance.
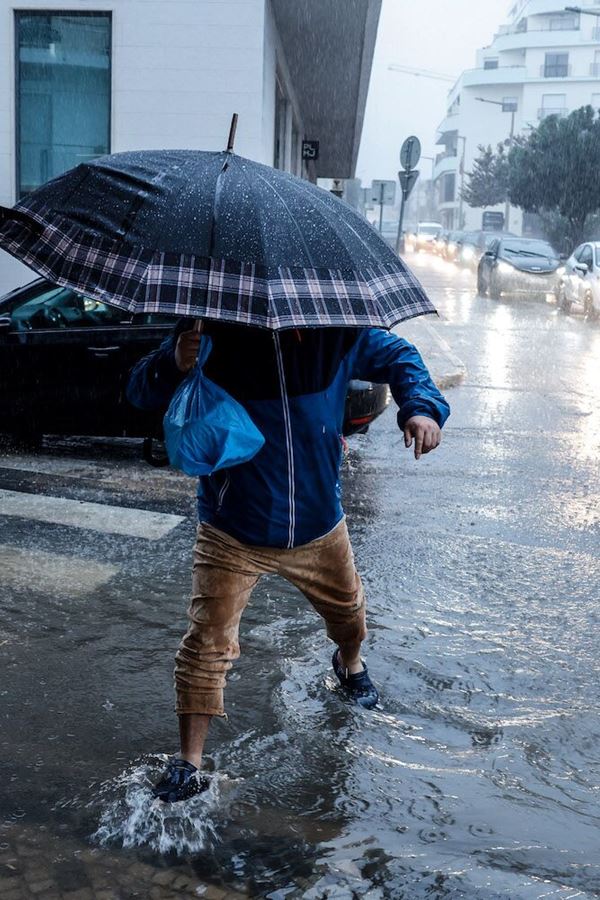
(588, 306)
(562, 301)
(481, 289)
(494, 287)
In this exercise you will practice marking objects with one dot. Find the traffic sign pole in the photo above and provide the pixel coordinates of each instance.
(400, 236)
(381, 189)
(410, 154)
(407, 183)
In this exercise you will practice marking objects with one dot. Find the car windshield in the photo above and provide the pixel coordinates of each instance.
(529, 248)
(428, 229)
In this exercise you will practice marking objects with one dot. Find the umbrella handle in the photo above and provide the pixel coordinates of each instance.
(198, 326)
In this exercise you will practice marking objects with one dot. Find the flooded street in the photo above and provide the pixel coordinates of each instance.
(477, 777)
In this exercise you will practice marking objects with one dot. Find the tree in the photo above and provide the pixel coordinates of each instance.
(488, 182)
(554, 171)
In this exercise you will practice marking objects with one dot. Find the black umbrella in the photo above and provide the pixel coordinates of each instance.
(211, 235)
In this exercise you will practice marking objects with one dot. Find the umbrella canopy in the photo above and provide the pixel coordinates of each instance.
(211, 235)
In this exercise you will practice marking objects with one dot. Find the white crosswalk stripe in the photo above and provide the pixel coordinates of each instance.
(100, 517)
(51, 573)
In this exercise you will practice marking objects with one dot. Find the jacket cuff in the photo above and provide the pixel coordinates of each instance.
(417, 408)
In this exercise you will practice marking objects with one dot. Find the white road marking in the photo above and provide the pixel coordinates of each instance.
(141, 523)
(52, 573)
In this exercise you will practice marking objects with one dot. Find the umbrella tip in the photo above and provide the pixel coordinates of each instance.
(232, 130)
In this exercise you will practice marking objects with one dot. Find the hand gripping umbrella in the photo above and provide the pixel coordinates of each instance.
(211, 235)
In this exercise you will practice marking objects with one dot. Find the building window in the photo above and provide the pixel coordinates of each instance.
(553, 105)
(556, 65)
(63, 92)
(563, 22)
(490, 64)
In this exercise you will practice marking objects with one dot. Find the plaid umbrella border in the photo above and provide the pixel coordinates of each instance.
(137, 279)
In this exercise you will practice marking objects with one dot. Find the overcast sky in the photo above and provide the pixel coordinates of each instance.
(438, 35)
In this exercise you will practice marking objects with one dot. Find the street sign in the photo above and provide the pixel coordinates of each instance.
(410, 154)
(310, 150)
(408, 181)
(337, 186)
(383, 193)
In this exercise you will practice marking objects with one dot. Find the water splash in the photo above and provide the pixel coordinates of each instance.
(132, 817)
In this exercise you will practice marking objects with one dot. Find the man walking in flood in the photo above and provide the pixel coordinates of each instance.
(281, 512)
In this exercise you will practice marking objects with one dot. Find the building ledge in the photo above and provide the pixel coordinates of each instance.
(329, 58)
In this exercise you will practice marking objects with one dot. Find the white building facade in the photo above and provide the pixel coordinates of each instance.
(81, 78)
(543, 61)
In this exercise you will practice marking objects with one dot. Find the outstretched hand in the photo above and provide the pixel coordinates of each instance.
(426, 432)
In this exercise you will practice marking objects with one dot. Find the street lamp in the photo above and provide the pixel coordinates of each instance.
(584, 12)
(511, 107)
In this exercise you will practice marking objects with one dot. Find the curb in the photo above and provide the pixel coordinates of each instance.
(447, 369)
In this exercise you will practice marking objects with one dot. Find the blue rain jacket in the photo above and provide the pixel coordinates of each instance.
(293, 384)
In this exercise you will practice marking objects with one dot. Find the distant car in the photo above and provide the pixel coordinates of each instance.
(424, 236)
(473, 244)
(514, 265)
(451, 245)
(579, 281)
(439, 244)
(65, 361)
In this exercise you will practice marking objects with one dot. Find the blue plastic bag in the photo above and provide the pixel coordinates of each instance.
(205, 428)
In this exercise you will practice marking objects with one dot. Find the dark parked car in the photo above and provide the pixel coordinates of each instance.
(516, 265)
(65, 360)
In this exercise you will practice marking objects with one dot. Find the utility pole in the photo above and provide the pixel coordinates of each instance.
(510, 107)
(459, 224)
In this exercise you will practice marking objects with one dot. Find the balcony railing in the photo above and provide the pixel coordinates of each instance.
(555, 71)
(567, 25)
(447, 155)
(560, 111)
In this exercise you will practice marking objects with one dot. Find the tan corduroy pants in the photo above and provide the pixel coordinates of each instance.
(224, 573)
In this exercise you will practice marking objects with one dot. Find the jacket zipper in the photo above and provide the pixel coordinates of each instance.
(288, 441)
(223, 491)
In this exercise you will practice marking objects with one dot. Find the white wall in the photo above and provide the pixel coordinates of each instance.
(180, 68)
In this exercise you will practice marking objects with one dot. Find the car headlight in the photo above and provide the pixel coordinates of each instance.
(451, 246)
(467, 253)
(561, 270)
(505, 268)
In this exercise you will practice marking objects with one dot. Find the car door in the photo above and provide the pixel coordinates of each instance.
(569, 277)
(65, 361)
(586, 259)
(60, 362)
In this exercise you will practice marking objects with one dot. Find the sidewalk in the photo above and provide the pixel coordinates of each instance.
(446, 368)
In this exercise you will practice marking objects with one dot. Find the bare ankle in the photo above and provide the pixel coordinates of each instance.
(351, 661)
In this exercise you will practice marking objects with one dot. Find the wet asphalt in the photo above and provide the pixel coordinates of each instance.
(478, 776)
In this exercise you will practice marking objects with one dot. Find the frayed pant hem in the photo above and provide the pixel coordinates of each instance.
(201, 712)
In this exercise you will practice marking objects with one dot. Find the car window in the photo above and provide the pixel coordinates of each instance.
(528, 248)
(154, 319)
(598, 256)
(587, 256)
(577, 253)
(58, 307)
